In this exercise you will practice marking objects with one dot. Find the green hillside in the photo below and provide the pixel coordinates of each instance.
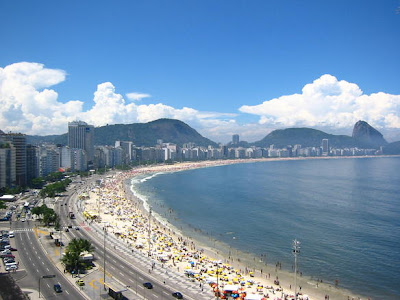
(306, 137)
(141, 134)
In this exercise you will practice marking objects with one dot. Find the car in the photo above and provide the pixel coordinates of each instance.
(11, 234)
(80, 282)
(57, 288)
(7, 255)
(11, 268)
(76, 227)
(66, 230)
(177, 295)
(69, 226)
(148, 285)
(23, 220)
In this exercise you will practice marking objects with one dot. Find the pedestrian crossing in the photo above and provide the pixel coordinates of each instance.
(18, 230)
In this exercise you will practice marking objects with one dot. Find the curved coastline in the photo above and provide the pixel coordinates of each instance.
(313, 288)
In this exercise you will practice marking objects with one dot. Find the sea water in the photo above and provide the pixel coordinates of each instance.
(345, 213)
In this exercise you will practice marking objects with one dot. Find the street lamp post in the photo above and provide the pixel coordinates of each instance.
(149, 254)
(45, 276)
(217, 281)
(296, 251)
(104, 254)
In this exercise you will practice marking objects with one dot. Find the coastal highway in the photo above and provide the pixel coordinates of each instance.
(37, 264)
(130, 269)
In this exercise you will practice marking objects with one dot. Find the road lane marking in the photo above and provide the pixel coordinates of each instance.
(91, 283)
(121, 274)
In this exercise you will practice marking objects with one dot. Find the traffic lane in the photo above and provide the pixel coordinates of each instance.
(126, 272)
(37, 264)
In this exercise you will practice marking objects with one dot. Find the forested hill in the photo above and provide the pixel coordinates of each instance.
(141, 134)
(306, 137)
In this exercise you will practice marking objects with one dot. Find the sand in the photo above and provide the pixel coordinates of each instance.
(127, 217)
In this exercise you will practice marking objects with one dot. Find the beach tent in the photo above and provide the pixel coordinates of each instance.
(231, 288)
(253, 297)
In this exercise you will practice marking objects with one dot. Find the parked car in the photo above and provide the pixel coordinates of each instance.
(57, 288)
(11, 268)
(177, 295)
(11, 234)
(80, 282)
(148, 285)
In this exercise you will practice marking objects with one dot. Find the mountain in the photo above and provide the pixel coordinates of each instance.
(392, 148)
(306, 137)
(365, 134)
(178, 132)
(141, 134)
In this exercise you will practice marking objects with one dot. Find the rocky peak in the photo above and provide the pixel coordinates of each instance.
(368, 135)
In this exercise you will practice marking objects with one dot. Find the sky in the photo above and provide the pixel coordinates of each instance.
(223, 67)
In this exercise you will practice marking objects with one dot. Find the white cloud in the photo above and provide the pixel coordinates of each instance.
(329, 103)
(28, 108)
(137, 96)
(29, 105)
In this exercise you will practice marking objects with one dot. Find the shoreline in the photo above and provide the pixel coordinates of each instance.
(262, 274)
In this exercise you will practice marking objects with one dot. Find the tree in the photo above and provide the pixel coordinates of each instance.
(2, 205)
(72, 259)
(49, 216)
(37, 183)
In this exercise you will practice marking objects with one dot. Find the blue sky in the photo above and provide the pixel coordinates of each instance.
(223, 67)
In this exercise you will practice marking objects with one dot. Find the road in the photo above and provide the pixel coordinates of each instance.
(37, 264)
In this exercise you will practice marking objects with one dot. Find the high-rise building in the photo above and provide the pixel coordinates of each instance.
(49, 160)
(325, 147)
(127, 147)
(19, 142)
(235, 139)
(32, 163)
(81, 136)
(7, 165)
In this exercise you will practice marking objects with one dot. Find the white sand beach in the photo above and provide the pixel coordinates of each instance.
(127, 217)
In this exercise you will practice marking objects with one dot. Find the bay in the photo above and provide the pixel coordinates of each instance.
(345, 213)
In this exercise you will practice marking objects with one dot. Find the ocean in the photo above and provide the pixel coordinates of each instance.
(345, 212)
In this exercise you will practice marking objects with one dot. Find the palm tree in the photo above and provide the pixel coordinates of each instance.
(72, 259)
